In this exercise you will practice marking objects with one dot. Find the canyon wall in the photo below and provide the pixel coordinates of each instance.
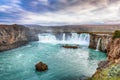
(104, 41)
(12, 36)
(109, 69)
(113, 49)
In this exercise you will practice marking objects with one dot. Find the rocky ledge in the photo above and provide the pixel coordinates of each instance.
(13, 36)
(110, 69)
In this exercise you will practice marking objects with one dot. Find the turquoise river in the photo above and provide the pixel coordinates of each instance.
(63, 64)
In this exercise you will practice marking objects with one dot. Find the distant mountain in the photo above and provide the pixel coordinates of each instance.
(76, 28)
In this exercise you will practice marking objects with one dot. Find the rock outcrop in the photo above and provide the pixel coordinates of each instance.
(114, 49)
(104, 41)
(71, 46)
(41, 66)
(13, 36)
(110, 69)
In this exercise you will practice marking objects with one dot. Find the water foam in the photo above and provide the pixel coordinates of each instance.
(74, 38)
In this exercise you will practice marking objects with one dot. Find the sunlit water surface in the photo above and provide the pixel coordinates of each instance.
(64, 64)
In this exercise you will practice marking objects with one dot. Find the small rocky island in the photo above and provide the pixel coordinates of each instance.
(70, 46)
(41, 66)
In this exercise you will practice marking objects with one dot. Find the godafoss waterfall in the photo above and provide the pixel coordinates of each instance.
(65, 38)
(59, 40)
(63, 63)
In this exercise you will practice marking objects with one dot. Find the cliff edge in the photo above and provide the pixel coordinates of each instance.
(13, 36)
(110, 69)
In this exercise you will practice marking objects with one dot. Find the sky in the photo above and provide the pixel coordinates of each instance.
(54, 12)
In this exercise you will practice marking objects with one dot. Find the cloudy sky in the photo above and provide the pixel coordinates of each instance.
(52, 12)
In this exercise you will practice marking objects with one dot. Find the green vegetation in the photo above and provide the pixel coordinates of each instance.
(110, 73)
(116, 34)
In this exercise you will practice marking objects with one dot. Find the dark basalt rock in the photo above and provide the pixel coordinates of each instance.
(71, 46)
(41, 66)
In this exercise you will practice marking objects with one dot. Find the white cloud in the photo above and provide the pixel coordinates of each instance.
(4, 8)
(77, 14)
(45, 2)
(74, 15)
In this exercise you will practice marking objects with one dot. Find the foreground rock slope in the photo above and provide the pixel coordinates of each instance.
(13, 36)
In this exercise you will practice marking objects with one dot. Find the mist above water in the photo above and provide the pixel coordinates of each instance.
(65, 38)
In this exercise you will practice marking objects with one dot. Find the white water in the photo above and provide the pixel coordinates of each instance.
(98, 44)
(79, 39)
(63, 37)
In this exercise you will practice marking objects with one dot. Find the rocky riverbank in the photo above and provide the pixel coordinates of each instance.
(110, 69)
(13, 36)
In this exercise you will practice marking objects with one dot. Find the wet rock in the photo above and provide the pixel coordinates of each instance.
(41, 66)
(71, 46)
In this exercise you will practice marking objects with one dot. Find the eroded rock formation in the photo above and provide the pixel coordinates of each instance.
(12, 36)
(114, 49)
(110, 69)
(104, 41)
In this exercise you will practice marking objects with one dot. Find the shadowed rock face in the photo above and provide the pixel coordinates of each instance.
(12, 36)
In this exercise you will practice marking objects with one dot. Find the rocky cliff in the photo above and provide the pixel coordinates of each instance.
(12, 36)
(110, 69)
(104, 40)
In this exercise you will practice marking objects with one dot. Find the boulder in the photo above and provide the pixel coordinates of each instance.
(41, 66)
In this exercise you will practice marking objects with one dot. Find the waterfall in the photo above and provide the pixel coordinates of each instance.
(47, 38)
(66, 38)
(85, 37)
(98, 44)
(74, 37)
(63, 38)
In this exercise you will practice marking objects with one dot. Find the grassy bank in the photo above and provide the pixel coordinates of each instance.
(110, 73)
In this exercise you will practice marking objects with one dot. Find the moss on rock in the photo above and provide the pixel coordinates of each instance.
(116, 34)
(110, 73)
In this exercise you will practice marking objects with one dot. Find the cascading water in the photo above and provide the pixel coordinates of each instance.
(46, 38)
(98, 44)
(73, 38)
(63, 37)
